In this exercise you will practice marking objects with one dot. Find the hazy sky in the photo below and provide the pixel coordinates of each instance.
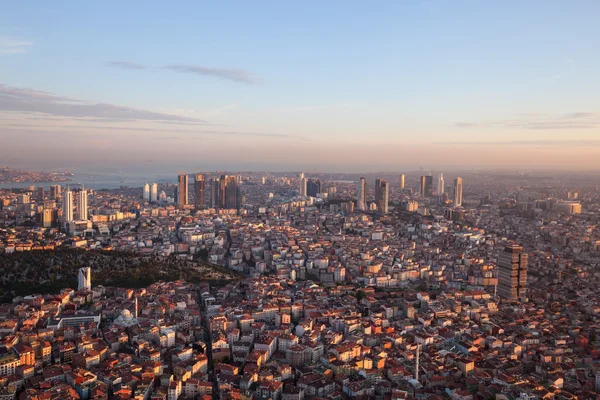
(309, 85)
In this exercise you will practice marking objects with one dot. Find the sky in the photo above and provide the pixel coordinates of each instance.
(288, 86)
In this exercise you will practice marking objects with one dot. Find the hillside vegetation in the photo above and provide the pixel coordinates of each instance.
(30, 272)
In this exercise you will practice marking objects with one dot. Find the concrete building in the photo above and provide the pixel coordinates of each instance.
(458, 192)
(512, 272)
(84, 278)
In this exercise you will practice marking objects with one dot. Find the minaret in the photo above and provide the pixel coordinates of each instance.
(136, 308)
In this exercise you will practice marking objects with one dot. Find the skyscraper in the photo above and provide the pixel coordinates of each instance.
(313, 187)
(84, 279)
(182, 194)
(512, 272)
(458, 191)
(154, 192)
(40, 193)
(440, 185)
(146, 192)
(401, 181)
(377, 191)
(232, 199)
(215, 192)
(55, 192)
(82, 205)
(67, 206)
(303, 186)
(384, 189)
(199, 189)
(426, 186)
(361, 196)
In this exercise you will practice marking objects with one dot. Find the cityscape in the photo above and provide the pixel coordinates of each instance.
(413, 285)
(316, 200)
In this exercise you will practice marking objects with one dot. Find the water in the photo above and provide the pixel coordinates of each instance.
(105, 181)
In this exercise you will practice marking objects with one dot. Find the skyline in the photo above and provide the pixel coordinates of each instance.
(280, 87)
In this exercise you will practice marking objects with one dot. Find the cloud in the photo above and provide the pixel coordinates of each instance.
(223, 109)
(125, 65)
(571, 67)
(232, 74)
(25, 100)
(575, 120)
(541, 142)
(13, 46)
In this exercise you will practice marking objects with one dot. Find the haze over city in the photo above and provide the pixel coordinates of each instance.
(315, 86)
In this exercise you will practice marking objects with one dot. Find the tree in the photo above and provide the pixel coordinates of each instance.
(360, 295)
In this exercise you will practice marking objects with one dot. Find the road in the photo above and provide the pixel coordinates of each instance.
(208, 341)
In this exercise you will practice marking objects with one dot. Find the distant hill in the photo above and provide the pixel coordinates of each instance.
(24, 273)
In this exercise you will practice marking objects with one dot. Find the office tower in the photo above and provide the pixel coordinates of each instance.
(377, 191)
(182, 193)
(381, 195)
(40, 193)
(384, 190)
(146, 192)
(163, 197)
(67, 206)
(55, 192)
(301, 175)
(440, 185)
(361, 202)
(84, 279)
(154, 192)
(232, 195)
(426, 186)
(401, 181)
(82, 205)
(199, 189)
(313, 187)
(458, 191)
(512, 272)
(263, 180)
(303, 187)
(215, 192)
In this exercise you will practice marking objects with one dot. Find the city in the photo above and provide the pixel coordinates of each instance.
(300, 200)
(369, 288)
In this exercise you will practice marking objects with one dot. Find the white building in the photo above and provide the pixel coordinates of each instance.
(361, 195)
(67, 214)
(146, 193)
(154, 192)
(82, 205)
(84, 278)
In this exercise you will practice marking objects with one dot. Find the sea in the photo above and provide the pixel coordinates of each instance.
(99, 181)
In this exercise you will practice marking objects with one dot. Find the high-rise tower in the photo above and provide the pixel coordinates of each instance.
(146, 192)
(154, 192)
(426, 186)
(182, 194)
(440, 185)
(361, 195)
(458, 192)
(67, 206)
(303, 186)
(199, 189)
(401, 181)
(384, 191)
(55, 192)
(512, 272)
(82, 205)
(313, 187)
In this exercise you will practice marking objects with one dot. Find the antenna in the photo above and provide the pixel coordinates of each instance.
(417, 366)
